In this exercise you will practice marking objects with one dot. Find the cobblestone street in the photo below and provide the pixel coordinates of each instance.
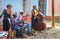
(53, 33)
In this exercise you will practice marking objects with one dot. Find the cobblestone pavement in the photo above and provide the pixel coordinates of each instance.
(46, 34)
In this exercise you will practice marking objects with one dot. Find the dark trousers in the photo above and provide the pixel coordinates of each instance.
(33, 21)
(6, 25)
(19, 33)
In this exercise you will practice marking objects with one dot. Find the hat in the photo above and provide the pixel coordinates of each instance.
(34, 5)
(21, 11)
(9, 5)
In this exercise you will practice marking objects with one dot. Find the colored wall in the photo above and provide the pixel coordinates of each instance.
(56, 9)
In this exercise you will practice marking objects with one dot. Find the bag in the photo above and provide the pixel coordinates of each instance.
(11, 34)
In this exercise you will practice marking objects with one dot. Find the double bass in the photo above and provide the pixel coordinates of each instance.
(39, 25)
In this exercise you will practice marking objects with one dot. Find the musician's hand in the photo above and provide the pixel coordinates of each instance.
(37, 17)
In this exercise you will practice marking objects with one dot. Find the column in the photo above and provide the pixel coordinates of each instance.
(53, 13)
(26, 5)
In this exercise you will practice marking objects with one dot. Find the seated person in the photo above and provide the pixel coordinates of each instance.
(20, 17)
(17, 26)
(26, 24)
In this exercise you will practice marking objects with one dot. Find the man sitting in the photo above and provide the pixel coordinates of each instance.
(17, 26)
(26, 24)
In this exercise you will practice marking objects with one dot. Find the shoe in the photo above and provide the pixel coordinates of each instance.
(29, 34)
(22, 36)
(34, 33)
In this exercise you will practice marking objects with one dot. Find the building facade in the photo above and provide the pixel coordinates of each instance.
(1, 9)
(45, 6)
(56, 9)
(1, 6)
